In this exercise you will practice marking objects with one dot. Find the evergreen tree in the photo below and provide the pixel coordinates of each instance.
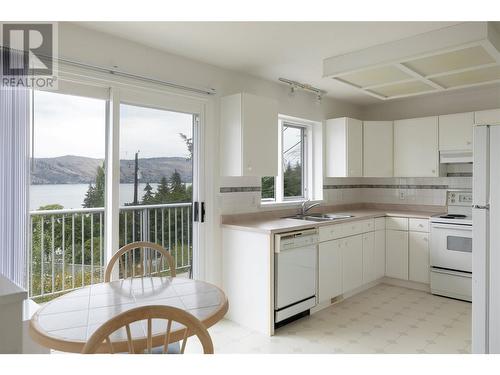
(177, 188)
(292, 180)
(148, 197)
(162, 192)
(95, 193)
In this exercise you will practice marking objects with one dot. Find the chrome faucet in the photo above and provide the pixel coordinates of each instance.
(304, 209)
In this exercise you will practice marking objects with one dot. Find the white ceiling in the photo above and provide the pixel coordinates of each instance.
(293, 50)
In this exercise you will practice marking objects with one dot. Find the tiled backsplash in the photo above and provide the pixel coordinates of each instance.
(426, 191)
(238, 196)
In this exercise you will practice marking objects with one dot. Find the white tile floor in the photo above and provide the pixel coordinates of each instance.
(383, 319)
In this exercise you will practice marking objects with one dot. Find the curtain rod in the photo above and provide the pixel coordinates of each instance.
(116, 72)
(119, 73)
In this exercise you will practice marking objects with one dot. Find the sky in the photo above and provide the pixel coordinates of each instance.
(72, 125)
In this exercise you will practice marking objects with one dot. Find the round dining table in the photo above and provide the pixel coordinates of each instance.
(67, 322)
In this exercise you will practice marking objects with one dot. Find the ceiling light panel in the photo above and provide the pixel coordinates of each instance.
(446, 62)
(403, 89)
(375, 76)
(466, 54)
(472, 77)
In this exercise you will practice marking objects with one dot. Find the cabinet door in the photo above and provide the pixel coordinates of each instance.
(368, 257)
(419, 257)
(352, 263)
(379, 253)
(416, 147)
(455, 131)
(354, 148)
(260, 136)
(396, 254)
(330, 270)
(344, 147)
(378, 147)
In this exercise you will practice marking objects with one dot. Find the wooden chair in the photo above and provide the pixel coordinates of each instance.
(171, 314)
(126, 258)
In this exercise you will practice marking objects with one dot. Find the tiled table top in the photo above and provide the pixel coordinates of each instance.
(67, 322)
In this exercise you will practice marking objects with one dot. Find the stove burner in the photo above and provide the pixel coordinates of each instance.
(453, 216)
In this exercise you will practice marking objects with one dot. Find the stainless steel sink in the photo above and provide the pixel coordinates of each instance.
(320, 217)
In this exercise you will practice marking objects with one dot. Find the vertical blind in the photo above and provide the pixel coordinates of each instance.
(14, 179)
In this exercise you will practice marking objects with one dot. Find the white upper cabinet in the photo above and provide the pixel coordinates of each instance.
(378, 149)
(344, 147)
(455, 131)
(249, 136)
(416, 147)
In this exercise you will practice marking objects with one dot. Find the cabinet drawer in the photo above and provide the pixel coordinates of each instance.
(367, 225)
(419, 225)
(380, 223)
(352, 228)
(330, 232)
(396, 223)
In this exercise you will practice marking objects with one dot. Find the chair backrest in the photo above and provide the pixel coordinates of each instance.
(148, 263)
(100, 340)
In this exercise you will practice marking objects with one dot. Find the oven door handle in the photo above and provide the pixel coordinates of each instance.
(453, 226)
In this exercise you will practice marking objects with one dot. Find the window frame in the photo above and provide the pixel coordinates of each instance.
(304, 162)
(308, 160)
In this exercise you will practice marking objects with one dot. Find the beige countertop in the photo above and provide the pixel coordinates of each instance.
(273, 225)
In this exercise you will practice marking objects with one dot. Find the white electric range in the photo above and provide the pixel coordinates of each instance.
(451, 247)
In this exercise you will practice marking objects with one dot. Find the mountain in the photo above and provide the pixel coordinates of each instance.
(72, 169)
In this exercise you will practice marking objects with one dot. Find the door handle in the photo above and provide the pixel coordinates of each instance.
(196, 212)
(480, 207)
(202, 212)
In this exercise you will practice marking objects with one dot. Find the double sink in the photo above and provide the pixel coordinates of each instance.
(320, 217)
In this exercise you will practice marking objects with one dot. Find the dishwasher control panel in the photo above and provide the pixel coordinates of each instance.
(292, 240)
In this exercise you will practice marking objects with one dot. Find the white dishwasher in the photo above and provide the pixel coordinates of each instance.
(295, 274)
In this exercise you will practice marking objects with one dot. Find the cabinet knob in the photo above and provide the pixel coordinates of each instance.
(426, 239)
(433, 171)
(249, 168)
(468, 143)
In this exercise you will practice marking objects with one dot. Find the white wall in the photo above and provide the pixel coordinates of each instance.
(92, 47)
(481, 98)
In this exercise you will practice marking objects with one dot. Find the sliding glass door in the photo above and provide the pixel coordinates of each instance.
(156, 183)
(106, 169)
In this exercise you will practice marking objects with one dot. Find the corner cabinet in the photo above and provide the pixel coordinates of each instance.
(344, 147)
(249, 136)
(416, 147)
(378, 155)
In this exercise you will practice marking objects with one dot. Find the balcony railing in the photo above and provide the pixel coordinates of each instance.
(67, 246)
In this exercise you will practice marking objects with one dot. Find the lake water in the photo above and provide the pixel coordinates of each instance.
(72, 195)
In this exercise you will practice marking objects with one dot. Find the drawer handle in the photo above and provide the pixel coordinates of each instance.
(421, 225)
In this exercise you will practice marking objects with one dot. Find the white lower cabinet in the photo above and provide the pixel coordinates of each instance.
(369, 258)
(330, 270)
(396, 254)
(352, 263)
(419, 257)
(379, 251)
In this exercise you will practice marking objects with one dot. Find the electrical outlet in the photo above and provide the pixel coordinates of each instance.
(402, 195)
